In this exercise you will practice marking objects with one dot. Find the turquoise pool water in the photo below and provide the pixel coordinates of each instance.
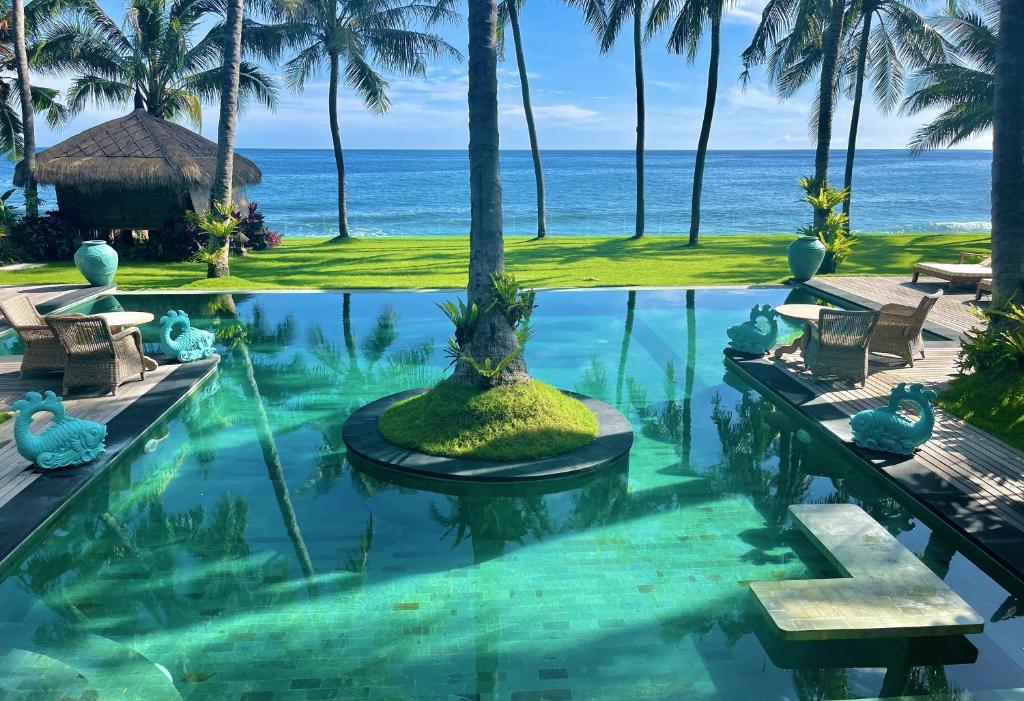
(236, 554)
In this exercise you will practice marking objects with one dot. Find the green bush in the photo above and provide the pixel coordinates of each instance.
(10, 252)
(999, 346)
(46, 238)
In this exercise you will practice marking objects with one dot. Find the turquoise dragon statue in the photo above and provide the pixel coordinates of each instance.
(66, 441)
(757, 335)
(888, 430)
(190, 344)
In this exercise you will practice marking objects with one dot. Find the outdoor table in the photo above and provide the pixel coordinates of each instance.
(797, 312)
(118, 321)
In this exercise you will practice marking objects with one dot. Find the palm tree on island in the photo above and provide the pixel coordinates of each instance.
(353, 40)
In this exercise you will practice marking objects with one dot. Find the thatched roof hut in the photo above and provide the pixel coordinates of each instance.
(134, 172)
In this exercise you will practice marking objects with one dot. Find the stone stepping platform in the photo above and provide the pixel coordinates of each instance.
(885, 591)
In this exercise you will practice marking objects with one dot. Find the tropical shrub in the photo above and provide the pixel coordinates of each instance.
(273, 239)
(179, 239)
(46, 238)
(10, 252)
(253, 229)
(834, 232)
(999, 346)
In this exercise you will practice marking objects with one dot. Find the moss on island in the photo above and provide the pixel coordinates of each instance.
(513, 422)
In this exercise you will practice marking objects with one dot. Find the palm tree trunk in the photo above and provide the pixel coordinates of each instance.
(858, 93)
(222, 195)
(641, 119)
(691, 376)
(705, 128)
(228, 104)
(524, 83)
(1008, 156)
(339, 156)
(28, 128)
(493, 336)
(826, 98)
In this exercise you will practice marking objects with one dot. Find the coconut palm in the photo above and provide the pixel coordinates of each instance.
(690, 20)
(1007, 159)
(618, 12)
(493, 337)
(508, 13)
(45, 100)
(230, 75)
(28, 131)
(813, 41)
(890, 38)
(353, 40)
(160, 60)
(962, 83)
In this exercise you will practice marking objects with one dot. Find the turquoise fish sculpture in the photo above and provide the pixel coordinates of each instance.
(888, 430)
(66, 441)
(757, 335)
(190, 344)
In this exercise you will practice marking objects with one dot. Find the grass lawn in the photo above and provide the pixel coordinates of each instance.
(513, 422)
(990, 401)
(425, 262)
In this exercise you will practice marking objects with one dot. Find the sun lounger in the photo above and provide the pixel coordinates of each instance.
(957, 273)
(984, 287)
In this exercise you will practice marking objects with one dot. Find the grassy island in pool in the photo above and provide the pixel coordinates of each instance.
(513, 422)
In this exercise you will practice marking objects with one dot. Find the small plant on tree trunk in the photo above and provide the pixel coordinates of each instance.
(829, 227)
(220, 227)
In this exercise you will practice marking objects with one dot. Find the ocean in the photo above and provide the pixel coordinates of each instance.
(422, 192)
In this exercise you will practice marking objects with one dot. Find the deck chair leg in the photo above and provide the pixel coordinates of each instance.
(914, 279)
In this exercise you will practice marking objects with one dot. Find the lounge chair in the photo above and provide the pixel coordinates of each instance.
(95, 355)
(837, 345)
(899, 328)
(984, 287)
(957, 273)
(42, 349)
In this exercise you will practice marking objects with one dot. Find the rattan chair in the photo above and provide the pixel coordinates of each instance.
(42, 349)
(899, 327)
(837, 345)
(95, 355)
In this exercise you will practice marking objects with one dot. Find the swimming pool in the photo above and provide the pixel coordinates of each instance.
(236, 554)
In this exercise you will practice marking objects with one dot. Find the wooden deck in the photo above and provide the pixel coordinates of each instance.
(969, 478)
(952, 316)
(16, 473)
(51, 298)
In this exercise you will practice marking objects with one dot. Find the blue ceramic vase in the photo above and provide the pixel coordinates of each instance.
(97, 262)
(805, 255)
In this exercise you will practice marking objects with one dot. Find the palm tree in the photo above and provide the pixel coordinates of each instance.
(890, 37)
(228, 103)
(1008, 155)
(493, 336)
(962, 83)
(156, 62)
(814, 40)
(45, 100)
(687, 31)
(617, 13)
(359, 37)
(508, 12)
(28, 130)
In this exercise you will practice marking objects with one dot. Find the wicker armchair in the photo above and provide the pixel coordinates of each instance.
(95, 356)
(899, 328)
(837, 346)
(42, 349)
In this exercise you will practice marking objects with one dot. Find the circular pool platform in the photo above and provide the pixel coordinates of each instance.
(364, 440)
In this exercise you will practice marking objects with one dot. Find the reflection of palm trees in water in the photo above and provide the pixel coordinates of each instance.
(238, 344)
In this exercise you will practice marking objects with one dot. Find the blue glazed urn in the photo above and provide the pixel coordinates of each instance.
(97, 262)
(805, 254)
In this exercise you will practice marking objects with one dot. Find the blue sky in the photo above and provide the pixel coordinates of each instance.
(582, 100)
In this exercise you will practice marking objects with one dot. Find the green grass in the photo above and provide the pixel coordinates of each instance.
(425, 262)
(521, 421)
(992, 401)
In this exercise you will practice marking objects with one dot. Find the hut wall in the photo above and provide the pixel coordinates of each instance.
(120, 209)
(201, 198)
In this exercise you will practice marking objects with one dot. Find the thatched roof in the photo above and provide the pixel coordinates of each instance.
(133, 152)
